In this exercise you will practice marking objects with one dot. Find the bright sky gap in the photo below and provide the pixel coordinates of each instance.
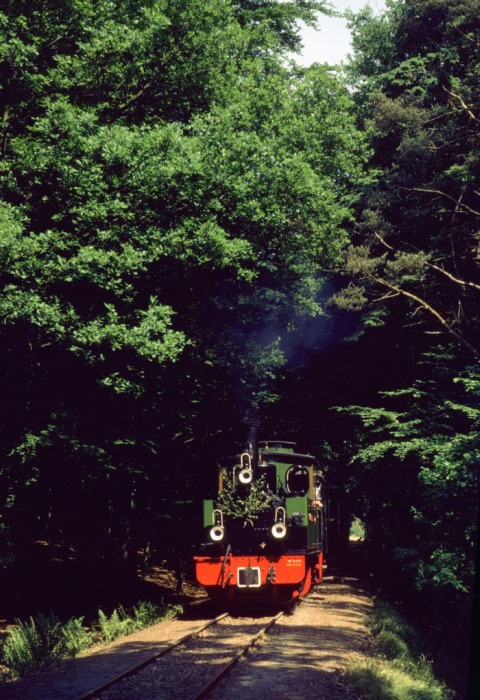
(331, 44)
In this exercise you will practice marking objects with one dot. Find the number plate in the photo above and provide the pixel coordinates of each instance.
(248, 577)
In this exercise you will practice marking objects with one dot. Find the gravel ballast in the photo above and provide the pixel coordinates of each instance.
(301, 658)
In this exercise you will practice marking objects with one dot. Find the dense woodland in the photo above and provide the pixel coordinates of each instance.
(193, 227)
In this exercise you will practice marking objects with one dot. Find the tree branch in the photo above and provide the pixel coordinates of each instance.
(431, 311)
(464, 106)
(384, 242)
(135, 97)
(4, 131)
(442, 194)
(464, 283)
(457, 280)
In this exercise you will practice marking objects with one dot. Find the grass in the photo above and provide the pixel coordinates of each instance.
(399, 670)
(44, 640)
(378, 680)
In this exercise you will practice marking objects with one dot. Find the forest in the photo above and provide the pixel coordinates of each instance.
(194, 227)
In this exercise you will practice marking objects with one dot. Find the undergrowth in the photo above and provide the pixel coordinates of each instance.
(399, 670)
(43, 640)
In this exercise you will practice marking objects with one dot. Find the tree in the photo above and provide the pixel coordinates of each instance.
(418, 234)
(169, 199)
(413, 266)
(273, 24)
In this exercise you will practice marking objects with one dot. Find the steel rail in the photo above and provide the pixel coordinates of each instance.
(231, 662)
(136, 667)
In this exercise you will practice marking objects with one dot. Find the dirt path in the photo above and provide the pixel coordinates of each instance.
(301, 660)
(304, 657)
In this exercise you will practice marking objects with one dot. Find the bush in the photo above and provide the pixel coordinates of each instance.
(43, 640)
(39, 642)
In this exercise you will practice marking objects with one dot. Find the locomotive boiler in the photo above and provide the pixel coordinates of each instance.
(265, 533)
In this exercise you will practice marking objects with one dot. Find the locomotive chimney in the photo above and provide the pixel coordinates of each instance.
(253, 425)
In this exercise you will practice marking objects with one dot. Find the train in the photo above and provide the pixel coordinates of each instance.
(266, 532)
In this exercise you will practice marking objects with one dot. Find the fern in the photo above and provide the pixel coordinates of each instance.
(34, 644)
(76, 637)
(42, 640)
(117, 625)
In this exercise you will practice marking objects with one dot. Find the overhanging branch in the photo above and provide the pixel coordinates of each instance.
(464, 106)
(463, 283)
(432, 311)
(443, 194)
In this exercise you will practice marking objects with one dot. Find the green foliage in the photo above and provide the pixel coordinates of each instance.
(276, 21)
(39, 642)
(243, 503)
(43, 640)
(76, 637)
(146, 613)
(430, 452)
(403, 673)
(419, 64)
(380, 681)
(171, 193)
(122, 622)
(116, 625)
(387, 623)
(412, 272)
(408, 286)
(357, 530)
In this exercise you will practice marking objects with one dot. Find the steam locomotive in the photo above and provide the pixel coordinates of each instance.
(265, 534)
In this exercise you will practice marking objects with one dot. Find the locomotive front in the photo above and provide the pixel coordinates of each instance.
(264, 532)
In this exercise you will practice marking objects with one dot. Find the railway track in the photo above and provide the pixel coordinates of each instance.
(190, 667)
(302, 659)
